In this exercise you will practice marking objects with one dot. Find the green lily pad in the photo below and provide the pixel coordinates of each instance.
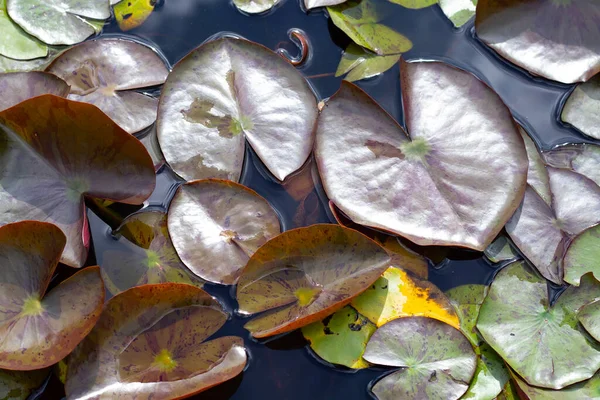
(359, 19)
(542, 343)
(17, 87)
(589, 316)
(582, 109)
(361, 64)
(20, 385)
(255, 6)
(321, 3)
(341, 338)
(589, 389)
(38, 64)
(436, 360)
(583, 256)
(16, 43)
(458, 11)
(509, 392)
(414, 4)
(500, 250)
(132, 13)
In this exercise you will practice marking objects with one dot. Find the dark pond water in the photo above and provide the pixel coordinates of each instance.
(283, 368)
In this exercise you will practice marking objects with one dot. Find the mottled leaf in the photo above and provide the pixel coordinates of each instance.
(436, 360)
(67, 150)
(20, 86)
(341, 338)
(418, 186)
(20, 385)
(132, 13)
(255, 6)
(105, 72)
(150, 342)
(458, 11)
(37, 328)
(321, 3)
(581, 158)
(589, 389)
(589, 316)
(500, 250)
(554, 39)
(583, 256)
(16, 43)
(65, 22)
(542, 343)
(360, 20)
(227, 90)
(360, 64)
(414, 4)
(306, 274)
(216, 226)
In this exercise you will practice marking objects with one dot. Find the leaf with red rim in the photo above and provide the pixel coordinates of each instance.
(20, 86)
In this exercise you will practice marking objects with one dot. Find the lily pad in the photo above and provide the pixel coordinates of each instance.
(588, 316)
(58, 23)
(306, 274)
(582, 109)
(589, 389)
(581, 158)
(544, 344)
(583, 256)
(360, 20)
(458, 11)
(149, 257)
(417, 186)
(500, 250)
(150, 342)
(341, 338)
(436, 360)
(20, 385)
(20, 86)
(564, 50)
(396, 294)
(255, 6)
(216, 226)
(321, 3)
(414, 4)
(37, 328)
(361, 64)
(67, 150)
(132, 13)
(229, 90)
(105, 72)
(16, 43)
(37, 64)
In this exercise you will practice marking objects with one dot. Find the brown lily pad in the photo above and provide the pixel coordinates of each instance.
(20, 86)
(305, 274)
(37, 328)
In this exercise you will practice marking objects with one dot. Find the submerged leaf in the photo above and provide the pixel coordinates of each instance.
(436, 360)
(66, 150)
(150, 342)
(458, 11)
(306, 274)
(104, 73)
(57, 23)
(542, 343)
(361, 64)
(132, 13)
(37, 328)
(582, 109)
(20, 385)
(555, 39)
(500, 250)
(16, 43)
(583, 256)
(229, 90)
(20, 86)
(418, 187)
(255, 6)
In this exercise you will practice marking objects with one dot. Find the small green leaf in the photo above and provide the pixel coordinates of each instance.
(583, 256)
(16, 43)
(360, 64)
(458, 11)
(414, 4)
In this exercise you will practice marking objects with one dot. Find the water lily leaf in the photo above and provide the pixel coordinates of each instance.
(436, 360)
(321, 3)
(133, 13)
(582, 109)
(37, 64)
(467, 300)
(581, 158)
(16, 43)
(588, 316)
(150, 255)
(589, 389)
(422, 190)
(67, 22)
(542, 343)
(458, 11)
(306, 274)
(216, 226)
(359, 19)
(20, 86)
(104, 73)
(37, 328)
(500, 250)
(565, 50)
(341, 338)
(255, 6)
(414, 4)
(227, 90)
(583, 256)
(20, 385)
(537, 176)
(150, 342)
(361, 64)
(150, 142)
(396, 294)
(66, 150)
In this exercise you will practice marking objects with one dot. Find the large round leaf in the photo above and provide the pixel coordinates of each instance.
(20, 86)
(306, 274)
(104, 73)
(437, 360)
(16, 43)
(583, 256)
(53, 22)
(554, 39)
(255, 6)
(21, 385)
(227, 90)
(418, 187)
(582, 109)
(216, 226)
(39, 329)
(150, 343)
(148, 255)
(542, 343)
(66, 150)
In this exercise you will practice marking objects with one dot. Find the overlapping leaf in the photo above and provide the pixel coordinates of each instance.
(500, 250)
(19, 86)
(306, 274)
(66, 150)
(582, 109)
(581, 158)
(553, 39)
(418, 186)
(414, 4)
(216, 226)
(150, 342)
(583, 256)
(37, 328)
(105, 72)
(229, 90)
(255, 6)
(589, 389)
(588, 316)
(360, 64)
(20, 385)
(16, 43)
(458, 11)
